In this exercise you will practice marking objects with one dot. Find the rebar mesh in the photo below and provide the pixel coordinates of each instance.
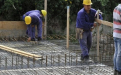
(57, 60)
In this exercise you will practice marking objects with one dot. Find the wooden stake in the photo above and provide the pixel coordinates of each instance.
(98, 37)
(68, 11)
(45, 24)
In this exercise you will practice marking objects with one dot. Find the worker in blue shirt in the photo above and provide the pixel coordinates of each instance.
(84, 23)
(34, 18)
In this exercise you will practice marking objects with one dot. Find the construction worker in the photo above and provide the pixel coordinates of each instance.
(117, 38)
(34, 18)
(84, 23)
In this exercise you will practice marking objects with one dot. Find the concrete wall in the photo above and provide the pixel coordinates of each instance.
(12, 28)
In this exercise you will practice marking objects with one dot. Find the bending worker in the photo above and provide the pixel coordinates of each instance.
(85, 21)
(34, 18)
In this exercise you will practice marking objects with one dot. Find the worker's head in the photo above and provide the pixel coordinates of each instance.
(44, 13)
(28, 20)
(87, 4)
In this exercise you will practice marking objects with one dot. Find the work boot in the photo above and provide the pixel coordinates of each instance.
(32, 39)
(82, 58)
(118, 73)
(39, 38)
(87, 59)
(115, 72)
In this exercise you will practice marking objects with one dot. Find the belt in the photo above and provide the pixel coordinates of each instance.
(86, 30)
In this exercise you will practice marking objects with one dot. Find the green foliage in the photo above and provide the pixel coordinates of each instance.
(106, 6)
(57, 10)
(13, 9)
(103, 2)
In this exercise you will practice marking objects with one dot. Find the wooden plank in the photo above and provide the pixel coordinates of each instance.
(17, 52)
(22, 53)
(104, 22)
(12, 25)
(12, 28)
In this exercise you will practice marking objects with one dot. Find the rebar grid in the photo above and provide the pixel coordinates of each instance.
(63, 70)
(57, 60)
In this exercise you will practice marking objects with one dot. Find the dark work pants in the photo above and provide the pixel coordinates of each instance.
(85, 43)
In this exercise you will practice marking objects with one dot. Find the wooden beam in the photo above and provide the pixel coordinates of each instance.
(12, 25)
(104, 22)
(20, 52)
(67, 36)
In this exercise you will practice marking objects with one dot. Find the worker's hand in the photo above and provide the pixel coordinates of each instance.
(92, 29)
(29, 39)
(99, 24)
(95, 25)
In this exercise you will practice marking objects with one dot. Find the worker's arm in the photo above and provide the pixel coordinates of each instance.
(100, 16)
(29, 28)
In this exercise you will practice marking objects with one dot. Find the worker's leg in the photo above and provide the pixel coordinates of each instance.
(89, 41)
(29, 31)
(118, 53)
(39, 29)
(115, 53)
(33, 31)
(83, 45)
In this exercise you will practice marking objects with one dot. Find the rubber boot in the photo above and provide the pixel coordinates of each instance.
(39, 38)
(118, 73)
(115, 72)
